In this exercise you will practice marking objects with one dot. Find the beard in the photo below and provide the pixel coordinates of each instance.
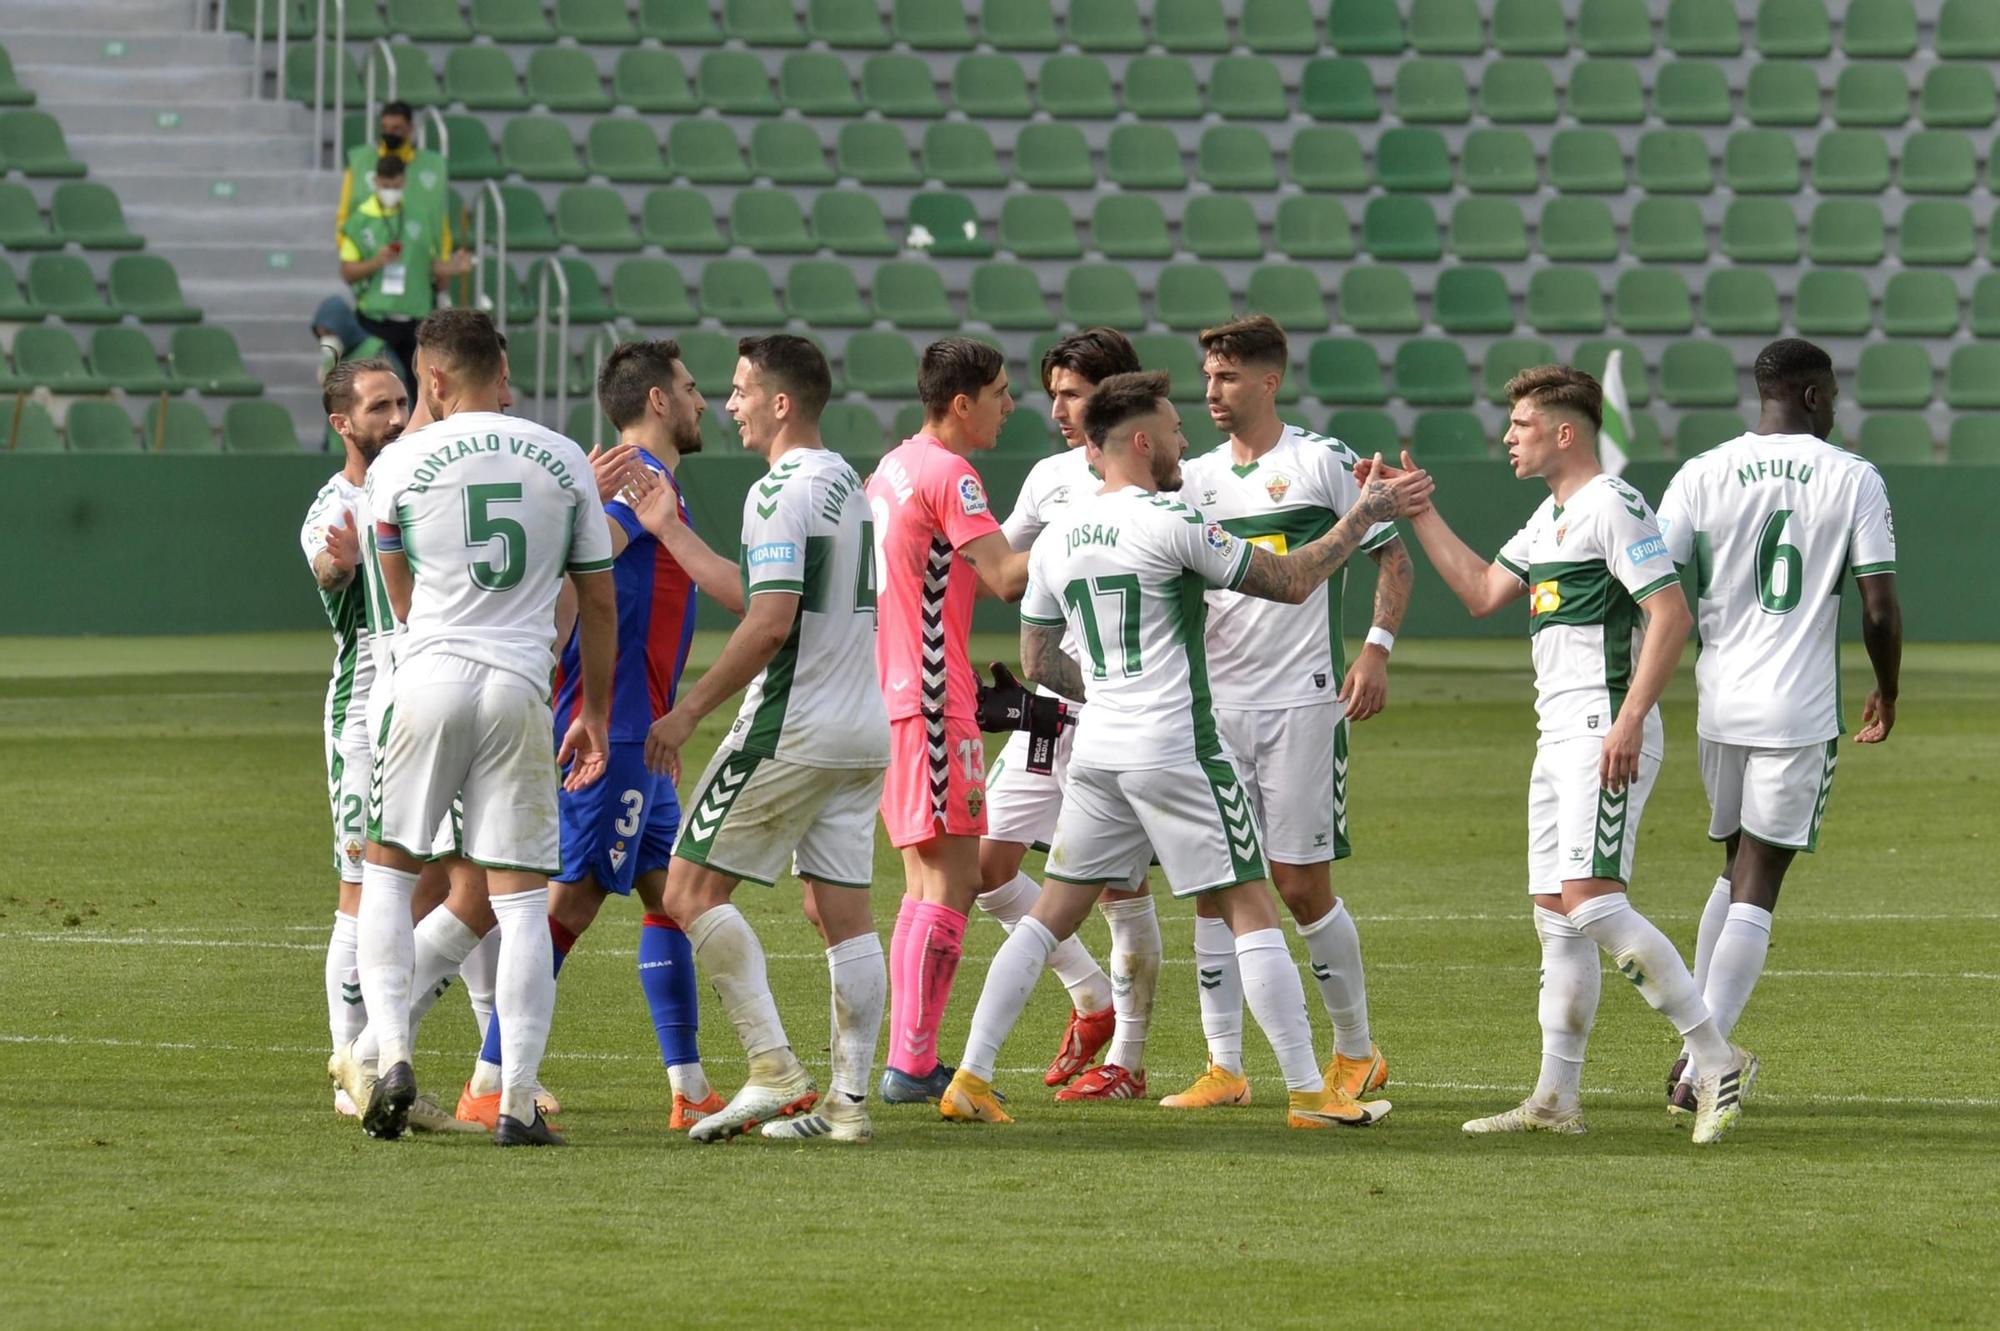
(685, 435)
(1168, 477)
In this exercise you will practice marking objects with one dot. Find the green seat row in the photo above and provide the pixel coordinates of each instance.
(97, 426)
(11, 91)
(32, 143)
(140, 286)
(205, 360)
(81, 213)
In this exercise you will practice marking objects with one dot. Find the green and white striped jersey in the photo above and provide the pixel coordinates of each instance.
(1587, 565)
(1128, 573)
(353, 660)
(807, 530)
(1770, 527)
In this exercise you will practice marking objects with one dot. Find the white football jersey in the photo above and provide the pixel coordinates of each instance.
(1051, 488)
(1769, 527)
(1265, 655)
(807, 530)
(346, 611)
(1127, 573)
(491, 511)
(1587, 565)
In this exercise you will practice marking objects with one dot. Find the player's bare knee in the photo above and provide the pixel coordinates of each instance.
(575, 905)
(1576, 891)
(1246, 907)
(839, 913)
(1305, 889)
(999, 861)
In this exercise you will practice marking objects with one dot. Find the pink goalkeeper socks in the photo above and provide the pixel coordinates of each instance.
(922, 969)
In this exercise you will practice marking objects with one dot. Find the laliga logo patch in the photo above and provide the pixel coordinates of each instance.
(1277, 487)
(1218, 540)
(1546, 598)
(970, 497)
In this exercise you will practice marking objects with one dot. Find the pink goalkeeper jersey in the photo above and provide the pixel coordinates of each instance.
(927, 502)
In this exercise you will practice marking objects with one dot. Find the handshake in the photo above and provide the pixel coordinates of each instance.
(1007, 704)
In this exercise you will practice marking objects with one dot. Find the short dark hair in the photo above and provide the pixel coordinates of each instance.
(1560, 388)
(1789, 365)
(1094, 353)
(466, 340)
(396, 108)
(388, 167)
(955, 365)
(796, 367)
(339, 392)
(1255, 339)
(629, 375)
(1119, 399)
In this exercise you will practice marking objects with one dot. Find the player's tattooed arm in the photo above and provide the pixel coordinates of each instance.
(1394, 575)
(1365, 691)
(334, 565)
(1291, 578)
(1045, 662)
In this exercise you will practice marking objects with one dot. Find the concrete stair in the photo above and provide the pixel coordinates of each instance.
(218, 181)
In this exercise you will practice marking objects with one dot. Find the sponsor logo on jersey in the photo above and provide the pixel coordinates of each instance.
(773, 552)
(1218, 540)
(1591, 721)
(1059, 495)
(1277, 487)
(1652, 547)
(1208, 496)
(1545, 599)
(1319, 679)
(970, 497)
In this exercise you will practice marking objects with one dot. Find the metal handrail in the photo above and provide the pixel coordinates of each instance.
(277, 59)
(380, 44)
(426, 117)
(339, 82)
(490, 192)
(256, 50)
(604, 349)
(551, 265)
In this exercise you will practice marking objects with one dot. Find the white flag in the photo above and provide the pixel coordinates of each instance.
(1616, 436)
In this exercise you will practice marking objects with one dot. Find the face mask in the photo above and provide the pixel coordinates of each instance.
(389, 198)
(393, 142)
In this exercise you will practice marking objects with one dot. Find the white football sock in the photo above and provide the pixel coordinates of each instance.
(727, 948)
(1738, 961)
(860, 988)
(1645, 957)
(524, 994)
(689, 1080)
(1135, 976)
(440, 942)
(1278, 1001)
(1089, 987)
(345, 1012)
(1572, 981)
(1009, 982)
(1714, 913)
(1334, 949)
(384, 953)
(477, 972)
(1221, 993)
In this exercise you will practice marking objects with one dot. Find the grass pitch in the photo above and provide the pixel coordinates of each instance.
(170, 1159)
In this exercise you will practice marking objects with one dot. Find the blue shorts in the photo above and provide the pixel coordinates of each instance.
(621, 825)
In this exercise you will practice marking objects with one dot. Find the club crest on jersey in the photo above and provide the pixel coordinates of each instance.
(1590, 722)
(1546, 598)
(618, 857)
(352, 850)
(1278, 487)
(1561, 532)
(1218, 540)
(970, 497)
(975, 800)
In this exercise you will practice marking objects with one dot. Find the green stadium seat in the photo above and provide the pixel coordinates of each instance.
(1673, 161)
(540, 148)
(1937, 161)
(1593, 356)
(1009, 296)
(1162, 87)
(1378, 299)
(1935, 231)
(32, 143)
(1026, 434)
(1017, 25)
(850, 222)
(1896, 438)
(1893, 374)
(1740, 300)
(1132, 226)
(1099, 293)
(990, 87)
(1957, 97)
(11, 91)
(1783, 92)
(1699, 431)
(851, 429)
(738, 291)
(49, 358)
(1366, 432)
(15, 306)
(1606, 92)
(1667, 229)
(1345, 370)
(1450, 436)
(1879, 29)
(22, 226)
(1646, 443)
(483, 78)
(652, 81)
(593, 217)
(585, 415)
(1589, 161)
(1500, 161)
(1974, 441)
(63, 285)
(1691, 92)
(587, 302)
(711, 359)
(758, 23)
(1040, 226)
(1191, 296)
(1875, 95)
(651, 292)
(823, 293)
(1175, 354)
(596, 22)
(678, 220)
(512, 21)
(1518, 92)
(1577, 229)
(961, 154)
(1796, 28)
(1530, 28)
(1651, 300)
(1432, 372)
(1487, 230)
(1053, 157)
(25, 427)
(910, 294)
(1968, 30)
(1920, 304)
(207, 360)
(1472, 299)
(1614, 28)
(299, 76)
(1339, 88)
(1149, 157)
(1401, 228)
(96, 426)
(1365, 27)
(816, 83)
(770, 221)
(1565, 300)
(176, 427)
(1846, 231)
(881, 365)
(1290, 294)
(1190, 25)
(1506, 358)
(1279, 26)
(946, 225)
(1831, 303)
(1985, 306)
(719, 435)
(1447, 27)
(1413, 160)
(1761, 161)
(470, 155)
(1247, 87)
(928, 26)
(732, 82)
(419, 20)
(1076, 87)
(1323, 158)
(414, 80)
(502, 285)
(124, 355)
(784, 152)
(1431, 91)
(1106, 25)
(89, 215)
(855, 24)
(1699, 374)
(1972, 377)
(625, 149)
(1307, 227)
(1851, 161)
(900, 86)
(259, 427)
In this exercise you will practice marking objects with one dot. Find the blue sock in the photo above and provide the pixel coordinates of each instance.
(666, 975)
(564, 940)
